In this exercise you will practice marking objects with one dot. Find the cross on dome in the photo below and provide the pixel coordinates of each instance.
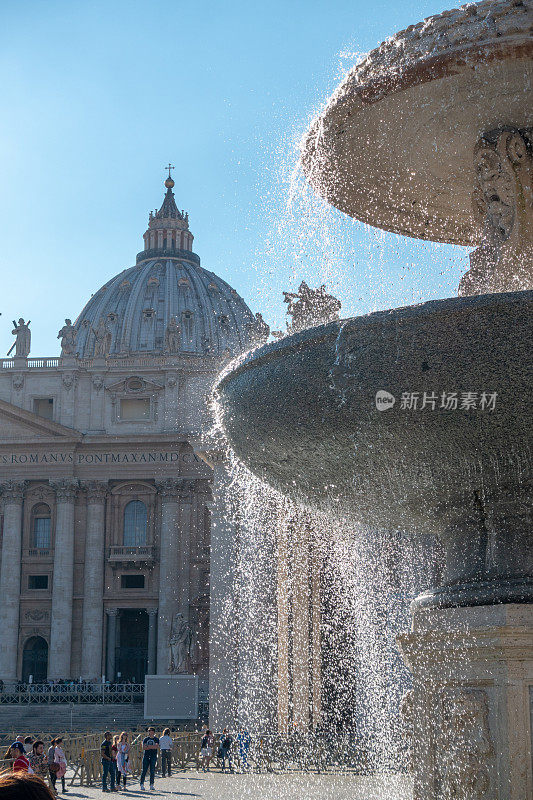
(169, 183)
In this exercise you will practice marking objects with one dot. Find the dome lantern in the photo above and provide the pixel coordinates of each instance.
(168, 229)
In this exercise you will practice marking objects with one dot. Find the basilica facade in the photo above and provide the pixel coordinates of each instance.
(107, 501)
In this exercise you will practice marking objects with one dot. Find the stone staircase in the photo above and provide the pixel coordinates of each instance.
(63, 718)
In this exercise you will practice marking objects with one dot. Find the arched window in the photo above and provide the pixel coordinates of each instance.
(187, 325)
(135, 522)
(40, 528)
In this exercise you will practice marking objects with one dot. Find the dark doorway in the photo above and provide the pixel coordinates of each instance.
(35, 660)
(132, 655)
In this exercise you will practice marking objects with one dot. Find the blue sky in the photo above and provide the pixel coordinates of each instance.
(98, 96)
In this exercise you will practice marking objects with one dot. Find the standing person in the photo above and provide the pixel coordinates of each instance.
(20, 762)
(123, 758)
(165, 745)
(225, 749)
(243, 739)
(38, 760)
(107, 762)
(206, 750)
(150, 748)
(59, 758)
(52, 766)
(114, 753)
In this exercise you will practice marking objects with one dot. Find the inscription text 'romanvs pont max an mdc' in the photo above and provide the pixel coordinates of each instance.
(149, 457)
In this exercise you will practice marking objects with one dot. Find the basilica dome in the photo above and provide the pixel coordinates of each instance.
(132, 312)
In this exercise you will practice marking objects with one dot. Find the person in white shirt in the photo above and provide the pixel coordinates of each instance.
(165, 745)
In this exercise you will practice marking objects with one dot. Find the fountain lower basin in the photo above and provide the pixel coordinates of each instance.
(302, 414)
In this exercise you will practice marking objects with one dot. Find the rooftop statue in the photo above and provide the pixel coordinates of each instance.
(258, 331)
(172, 336)
(67, 334)
(102, 339)
(310, 307)
(22, 343)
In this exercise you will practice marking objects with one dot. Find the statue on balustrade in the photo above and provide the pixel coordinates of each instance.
(172, 336)
(179, 643)
(22, 343)
(102, 339)
(67, 334)
(309, 307)
(258, 331)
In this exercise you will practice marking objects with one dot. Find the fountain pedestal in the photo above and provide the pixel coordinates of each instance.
(471, 702)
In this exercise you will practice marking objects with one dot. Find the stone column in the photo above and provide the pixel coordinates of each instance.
(187, 500)
(300, 626)
(12, 493)
(112, 614)
(169, 491)
(62, 587)
(223, 616)
(470, 707)
(93, 583)
(152, 640)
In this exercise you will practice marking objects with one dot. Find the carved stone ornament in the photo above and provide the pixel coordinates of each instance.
(172, 489)
(13, 491)
(69, 380)
(98, 382)
(18, 381)
(65, 489)
(465, 746)
(172, 380)
(96, 491)
(37, 615)
(503, 198)
(39, 492)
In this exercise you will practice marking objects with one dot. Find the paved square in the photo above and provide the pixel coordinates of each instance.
(215, 786)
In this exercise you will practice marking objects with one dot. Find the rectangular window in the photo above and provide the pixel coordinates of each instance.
(137, 408)
(132, 581)
(41, 533)
(37, 581)
(44, 407)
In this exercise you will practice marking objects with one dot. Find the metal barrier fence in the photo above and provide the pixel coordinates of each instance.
(266, 753)
(73, 693)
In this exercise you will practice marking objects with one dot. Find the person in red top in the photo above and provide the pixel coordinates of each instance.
(20, 763)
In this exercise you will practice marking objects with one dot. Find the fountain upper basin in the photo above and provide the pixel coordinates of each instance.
(394, 145)
(301, 414)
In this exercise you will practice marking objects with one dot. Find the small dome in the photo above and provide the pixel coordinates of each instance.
(133, 311)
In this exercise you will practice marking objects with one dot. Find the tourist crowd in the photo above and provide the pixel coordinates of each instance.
(30, 756)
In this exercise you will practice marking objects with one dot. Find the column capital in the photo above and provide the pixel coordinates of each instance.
(112, 612)
(152, 612)
(96, 491)
(13, 491)
(172, 489)
(65, 489)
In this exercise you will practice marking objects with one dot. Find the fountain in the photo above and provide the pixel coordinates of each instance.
(419, 418)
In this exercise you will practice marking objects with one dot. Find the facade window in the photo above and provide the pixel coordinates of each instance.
(187, 325)
(37, 581)
(40, 533)
(132, 581)
(135, 523)
(135, 409)
(44, 407)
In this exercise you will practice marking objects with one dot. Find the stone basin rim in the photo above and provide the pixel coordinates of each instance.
(311, 336)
